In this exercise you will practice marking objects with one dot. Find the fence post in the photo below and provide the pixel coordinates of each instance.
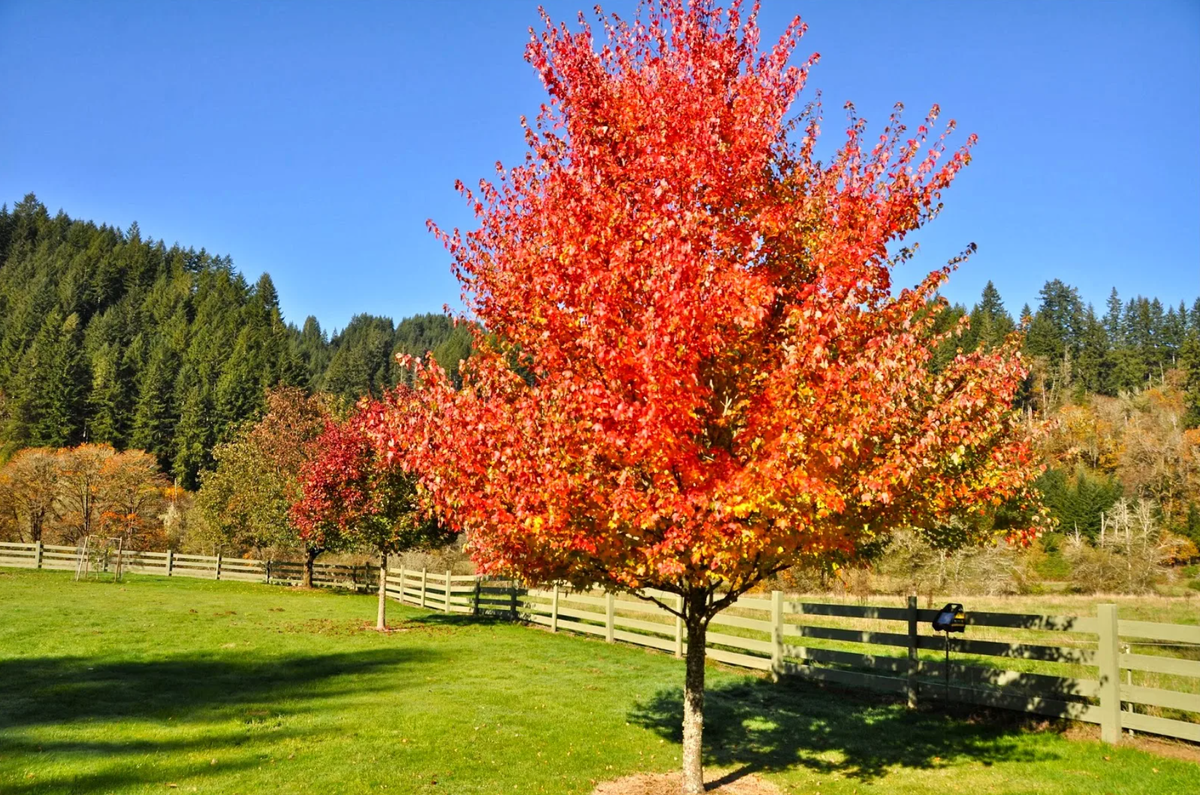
(513, 606)
(447, 591)
(267, 572)
(170, 561)
(475, 608)
(679, 627)
(608, 617)
(402, 582)
(910, 686)
(776, 634)
(424, 580)
(554, 609)
(1109, 651)
(37, 554)
(218, 565)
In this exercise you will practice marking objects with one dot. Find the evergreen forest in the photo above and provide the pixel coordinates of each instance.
(109, 337)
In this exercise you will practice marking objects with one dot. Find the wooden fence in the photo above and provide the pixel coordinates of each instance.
(207, 567)
(1078, 667)
(449, 593)
(1123, 675)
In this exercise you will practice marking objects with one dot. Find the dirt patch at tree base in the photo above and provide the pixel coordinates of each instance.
(719, 782)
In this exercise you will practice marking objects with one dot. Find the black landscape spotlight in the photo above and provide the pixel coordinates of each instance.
(951, 618)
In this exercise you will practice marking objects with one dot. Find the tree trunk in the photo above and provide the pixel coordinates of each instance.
(381, 620)
(693, 698)
(310, 555)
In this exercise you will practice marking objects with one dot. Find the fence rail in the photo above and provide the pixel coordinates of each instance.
(1084, 664)
(1078, 667)
(209, 567)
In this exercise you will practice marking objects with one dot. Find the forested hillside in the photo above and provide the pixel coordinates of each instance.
(109, 337)
(1123, 392)
(1078, 351)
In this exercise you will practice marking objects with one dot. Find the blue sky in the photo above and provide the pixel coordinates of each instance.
(313, 140)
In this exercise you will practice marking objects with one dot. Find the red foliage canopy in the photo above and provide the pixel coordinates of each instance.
(357, 489)
(696, 372)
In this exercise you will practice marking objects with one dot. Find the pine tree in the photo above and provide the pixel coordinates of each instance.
(990, 322)
(310, 347)
(947, 319)
(1043, 339)
(106, 401)
(62, 425)
(361, 362)
(1113, 320)
(47, 410)
(1189, 359)
(1077, 500)
(239, 388)
(194, 437)
(24, 318)
(1156, 352)
(1174, 331)
(6, 229)
(1130, 367)
(1091, 366)
(1061, 313)
(154, 416)
(265, 297)
(453, 351)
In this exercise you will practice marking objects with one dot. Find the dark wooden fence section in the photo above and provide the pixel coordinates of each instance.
(1123, 675)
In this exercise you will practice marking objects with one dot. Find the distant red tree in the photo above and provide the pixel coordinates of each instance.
(354, 489)
(695, 372)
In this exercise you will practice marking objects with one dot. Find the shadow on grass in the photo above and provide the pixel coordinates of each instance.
(47, 690)
(123, 778)
(189, 704)
(756, 726)
(459, 619)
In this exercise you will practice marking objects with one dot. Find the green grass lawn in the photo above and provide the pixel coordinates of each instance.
(156, 684)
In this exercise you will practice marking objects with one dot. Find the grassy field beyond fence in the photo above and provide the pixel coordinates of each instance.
(159, 684)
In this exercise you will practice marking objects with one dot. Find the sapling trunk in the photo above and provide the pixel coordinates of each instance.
(381, 620)
(310, 555)
(693, 698)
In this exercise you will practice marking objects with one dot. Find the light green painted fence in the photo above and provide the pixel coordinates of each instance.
(449, 593)
(209, 567)
(1077, 667)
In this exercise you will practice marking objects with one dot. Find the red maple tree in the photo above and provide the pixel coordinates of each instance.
(695, 372)
(358, 489)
